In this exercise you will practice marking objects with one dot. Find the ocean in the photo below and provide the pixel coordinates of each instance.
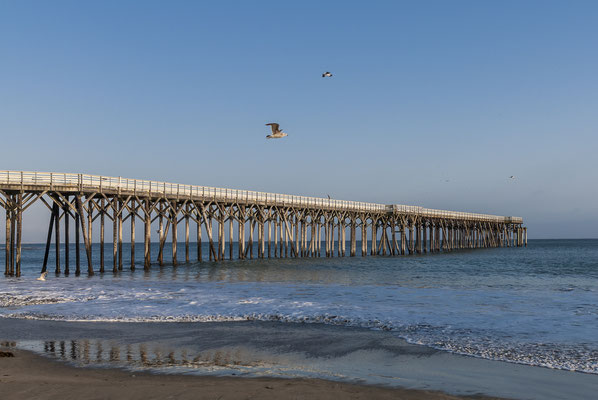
(534, 306)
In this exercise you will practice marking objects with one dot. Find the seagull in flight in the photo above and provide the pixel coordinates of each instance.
(42, 277)
(326, 75)
(512, 177)
(277, 133)
(328, 196)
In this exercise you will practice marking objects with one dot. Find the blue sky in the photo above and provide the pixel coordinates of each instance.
(423, 92)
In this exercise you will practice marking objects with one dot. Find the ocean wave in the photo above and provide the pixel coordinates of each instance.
(19, 300)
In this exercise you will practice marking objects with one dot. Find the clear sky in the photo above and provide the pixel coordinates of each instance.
(423, 92)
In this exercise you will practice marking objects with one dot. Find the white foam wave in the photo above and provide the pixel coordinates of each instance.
(19, 300)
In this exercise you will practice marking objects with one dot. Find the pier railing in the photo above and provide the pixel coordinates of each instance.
(84, 182)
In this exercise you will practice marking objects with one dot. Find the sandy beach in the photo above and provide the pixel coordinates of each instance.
(29, 376)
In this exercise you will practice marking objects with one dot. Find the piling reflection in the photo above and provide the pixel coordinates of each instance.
(146, 355)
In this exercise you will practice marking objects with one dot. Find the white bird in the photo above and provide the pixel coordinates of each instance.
(277, 133)
(326, 75)
(42, 277)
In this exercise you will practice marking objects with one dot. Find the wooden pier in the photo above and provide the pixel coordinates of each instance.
(266, 224)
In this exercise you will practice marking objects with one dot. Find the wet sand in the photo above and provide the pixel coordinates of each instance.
(59, 359)
(29, 376)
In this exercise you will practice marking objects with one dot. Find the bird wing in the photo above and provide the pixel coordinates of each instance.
(274, 126)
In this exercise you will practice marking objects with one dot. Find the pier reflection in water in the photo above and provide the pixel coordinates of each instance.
(144, 355)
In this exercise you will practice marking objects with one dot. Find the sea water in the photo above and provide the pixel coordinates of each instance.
(536, 306)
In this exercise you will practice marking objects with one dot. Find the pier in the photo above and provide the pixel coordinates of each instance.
(264, 225)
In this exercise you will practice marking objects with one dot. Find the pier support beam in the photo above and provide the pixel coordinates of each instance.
(174, 233)
(198, 235)
(77, 244)
(114, 236)
(230, 234)
(353, 239)
(65, 211)
(19, 222)
(8, 248)
(102, 231)
(56, 210)
(147, 235)
(86, 235)
(187, 233)
(132, 212)
(120, 235)
(48, 241)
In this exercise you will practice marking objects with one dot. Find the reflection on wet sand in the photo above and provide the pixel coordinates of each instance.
(143, 355)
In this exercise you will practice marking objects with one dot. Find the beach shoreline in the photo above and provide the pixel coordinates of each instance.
(306, 360)
(31, 376)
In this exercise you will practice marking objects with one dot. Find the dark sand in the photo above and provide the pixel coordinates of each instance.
(29, 376)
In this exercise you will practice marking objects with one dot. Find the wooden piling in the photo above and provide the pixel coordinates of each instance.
(102, 230)
(89, 230)
(269, 236)
(230, 234)
(187, 233)
(198, 238)
(132, 216)
(174, 233)
(7, 247)
(276, 236)
(65, 211)
(19, 232)
(120, 235)
(161, 236)
(241, 233)
(250, 241)
(57, 235)
(221, 243)
(147, 235)
(262, 239)
(296, 250)
(353, 239)
(48, 241)
(86, 235)
(424, 243)
(114, 236)
(374, 237)
(77, 245)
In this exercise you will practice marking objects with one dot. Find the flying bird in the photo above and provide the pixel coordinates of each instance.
(277, 133)
(42, 277)
(328, 196)
(326, 74)
(512, 177)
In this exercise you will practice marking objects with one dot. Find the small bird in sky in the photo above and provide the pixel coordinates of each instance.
(328, 196)
(277, 133)
(42, 277)
(512, 177)
(326, 75)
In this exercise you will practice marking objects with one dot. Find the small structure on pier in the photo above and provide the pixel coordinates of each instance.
(270, 224)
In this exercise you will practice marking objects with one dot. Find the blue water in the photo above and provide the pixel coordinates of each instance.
(536, 305)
